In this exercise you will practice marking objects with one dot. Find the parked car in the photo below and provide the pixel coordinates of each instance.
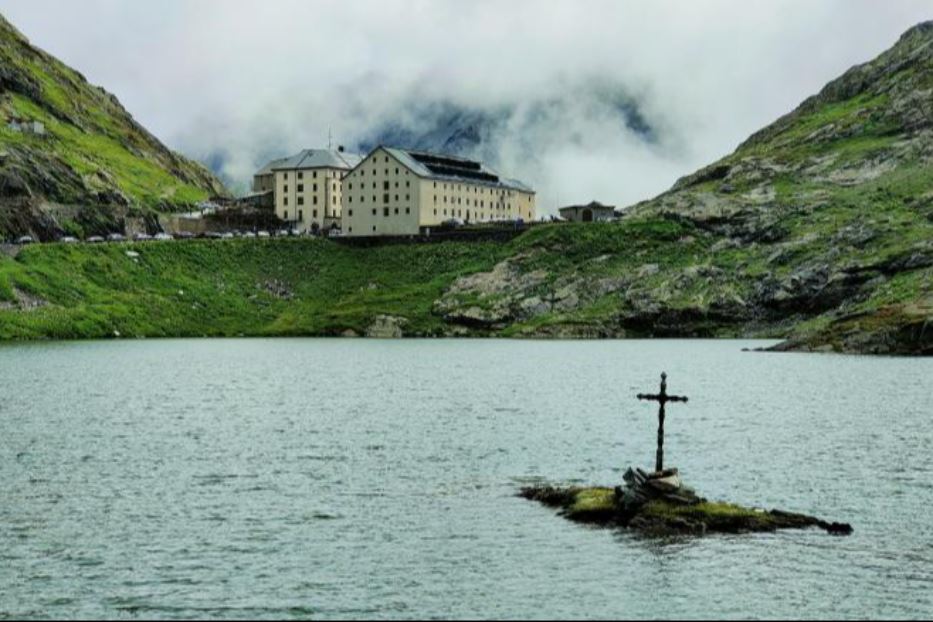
(25, 239)
(116, 237)
(249, 235)
(227, 236)
(212, 235)
(162, 236)
(94, 239)
(142, 237)
(68, 239)
(452, 223)
(184, 235)
(262, 234)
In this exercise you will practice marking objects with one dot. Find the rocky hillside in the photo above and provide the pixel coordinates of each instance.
(818, 228)
(71, 158)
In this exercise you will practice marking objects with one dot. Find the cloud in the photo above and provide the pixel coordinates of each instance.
(242, 80)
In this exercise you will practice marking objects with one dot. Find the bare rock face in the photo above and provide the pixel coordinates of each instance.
(387, 327)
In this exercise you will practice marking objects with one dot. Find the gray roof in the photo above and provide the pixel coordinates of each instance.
(591, 205)
(317, 158)
(267, 169)
(408, 158)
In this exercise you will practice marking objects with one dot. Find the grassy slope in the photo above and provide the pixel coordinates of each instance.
(90, 133)
(210, 288)
(223, 288)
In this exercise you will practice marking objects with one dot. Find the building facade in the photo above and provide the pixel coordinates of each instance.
(308, 189)
(594, 211)
(400, 192)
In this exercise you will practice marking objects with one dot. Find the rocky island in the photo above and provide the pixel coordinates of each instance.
(659, 504)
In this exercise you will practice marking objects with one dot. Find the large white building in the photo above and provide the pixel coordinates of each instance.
(400, 192)
(390, 191)
(308, 189)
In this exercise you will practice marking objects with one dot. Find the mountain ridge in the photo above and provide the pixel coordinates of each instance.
(91, 163)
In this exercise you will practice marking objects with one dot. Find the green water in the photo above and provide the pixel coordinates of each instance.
(343, 478)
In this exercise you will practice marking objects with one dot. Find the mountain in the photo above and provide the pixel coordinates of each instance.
(72, 158)
(817, 230)
(525, 128)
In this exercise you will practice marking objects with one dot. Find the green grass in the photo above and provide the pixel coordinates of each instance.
(210, 288)
(91, 153)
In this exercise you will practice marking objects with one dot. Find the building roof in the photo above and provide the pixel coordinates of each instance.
(267, 169)
(315, 158)
(452, 168)
(593, 205)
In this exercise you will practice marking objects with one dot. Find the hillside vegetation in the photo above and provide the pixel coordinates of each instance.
(91, 164)
(818, 230)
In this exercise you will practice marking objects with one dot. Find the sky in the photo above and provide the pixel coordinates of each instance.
(242, 80)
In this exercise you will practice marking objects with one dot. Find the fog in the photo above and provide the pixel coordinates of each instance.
(591, 100)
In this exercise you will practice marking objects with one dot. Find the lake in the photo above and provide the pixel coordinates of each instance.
(304, 478)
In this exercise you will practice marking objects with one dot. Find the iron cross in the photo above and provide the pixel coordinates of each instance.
(662, 398)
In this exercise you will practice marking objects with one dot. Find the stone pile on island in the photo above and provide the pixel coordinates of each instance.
(659, 504)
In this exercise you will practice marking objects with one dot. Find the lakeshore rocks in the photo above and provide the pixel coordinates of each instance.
(660, 505)
(386, 327)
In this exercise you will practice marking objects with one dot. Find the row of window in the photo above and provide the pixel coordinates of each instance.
(301, 200)
(301, 174)
(385, 185)
(385, 211)
(301, 215)
(385, 198)
(301, 188)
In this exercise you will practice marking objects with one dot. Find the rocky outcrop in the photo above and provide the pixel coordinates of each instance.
(659, 505)
(387, 327)
(88, 150)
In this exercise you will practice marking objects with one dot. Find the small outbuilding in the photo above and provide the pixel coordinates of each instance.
(594, 211)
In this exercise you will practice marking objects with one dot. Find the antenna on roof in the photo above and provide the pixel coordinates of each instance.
(329, 139)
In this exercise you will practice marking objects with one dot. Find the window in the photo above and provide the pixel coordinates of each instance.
(285, 215)
(350, 186)
(301, 175)
(301, 200)
(286, 187)
(350, 199)
(314, 213)
(385, 211)
(408, 197)
(314, 199)
(408, 184)
(374, 211)
(396, 198)
(374, 227)
(396, 184)
(385, 185)
(408, 210)
(385, 198)
(350, 212)
(301, 214)
(333, 199)
(301, 187)
(396, 170)
(396, 211)
(285, 201)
